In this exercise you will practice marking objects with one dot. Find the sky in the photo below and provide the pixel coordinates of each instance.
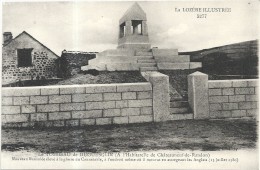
(93, 26)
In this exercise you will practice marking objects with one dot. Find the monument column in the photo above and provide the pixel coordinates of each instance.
(144, 28)
(128, 25)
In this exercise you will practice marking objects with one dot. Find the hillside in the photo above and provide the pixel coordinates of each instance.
(233, 59)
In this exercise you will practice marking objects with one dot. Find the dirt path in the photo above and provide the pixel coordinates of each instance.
(182, 135)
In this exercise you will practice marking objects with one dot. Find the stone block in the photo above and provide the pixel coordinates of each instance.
(146, 110)
(111, 112)
(239, 83)
(238, 113)
(140, 103)
(140, 119)
(122, 66)
(100, 105)
(59, 123)
(219, 83)
(103, 121)
(112, 96)
(229, 106)
(70, 123)
(72, 106)
(121, 104)
(86, 97)
(250, 90)
(86, 114)
(10, 110)
(173, 59)
(173, 66)
(38, 117)
(164, 52)
(253, 83)
(253, 98)
(87, 122)
(228, 91)
(220, 114)
(21, 100)
(72, 90)
(20, 91)
(100, 88)
(14, 118)
(7, 101)
(48, 108)
(215, 92)
(218, 99)
(161, 97)
(198, 95)
(120, 120)
(128, 95)
(133, 87)
(144, 95)
(130, 111)
(247, 105)
(252, 112)
(215, 107)
(60, 99)
(38, 99)
(236, 98)
(59, 115)
(194, 65)
(50, 91)
(28, 108)
(44, 124)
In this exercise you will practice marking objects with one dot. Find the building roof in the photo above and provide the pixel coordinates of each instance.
(135, 12)
(24, 32)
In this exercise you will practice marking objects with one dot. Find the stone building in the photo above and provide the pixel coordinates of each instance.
(25, 58)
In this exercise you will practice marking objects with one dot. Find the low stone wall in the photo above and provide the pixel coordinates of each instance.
(222, 98)
(77, 105)
(233, 98)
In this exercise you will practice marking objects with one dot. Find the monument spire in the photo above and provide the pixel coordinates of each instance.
(133, 31)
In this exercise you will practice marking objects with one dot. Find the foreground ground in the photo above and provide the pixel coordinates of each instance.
(173, 135)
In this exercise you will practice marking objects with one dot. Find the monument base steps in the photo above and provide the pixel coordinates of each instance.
(148, 69)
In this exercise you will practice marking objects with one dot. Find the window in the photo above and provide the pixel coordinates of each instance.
(24, 57)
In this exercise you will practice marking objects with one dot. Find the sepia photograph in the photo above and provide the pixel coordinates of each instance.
(130, 84)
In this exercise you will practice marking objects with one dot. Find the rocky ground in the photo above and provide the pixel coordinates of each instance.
(209, 135)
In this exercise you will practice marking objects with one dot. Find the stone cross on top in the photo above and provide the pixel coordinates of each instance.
(133, 31)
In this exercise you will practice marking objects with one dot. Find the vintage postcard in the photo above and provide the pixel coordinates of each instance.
(130, 85)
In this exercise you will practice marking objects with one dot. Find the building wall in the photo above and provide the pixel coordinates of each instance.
(43, 60)
(77, 105)
(233, 98)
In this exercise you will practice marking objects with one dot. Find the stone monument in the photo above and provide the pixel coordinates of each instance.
(134, 50)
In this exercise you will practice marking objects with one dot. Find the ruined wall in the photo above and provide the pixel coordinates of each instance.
(43, 61)
(70, 62)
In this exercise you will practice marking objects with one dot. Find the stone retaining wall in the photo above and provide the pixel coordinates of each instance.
(222, 98)
(77, 105)
(233, 98)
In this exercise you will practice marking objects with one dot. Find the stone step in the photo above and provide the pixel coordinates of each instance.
(148, 69)
(173, 59)
(181, 116)
(146, 64)
(176, 104)
(178, 110)
(146, 61)
(144, 57)
(143, 53)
